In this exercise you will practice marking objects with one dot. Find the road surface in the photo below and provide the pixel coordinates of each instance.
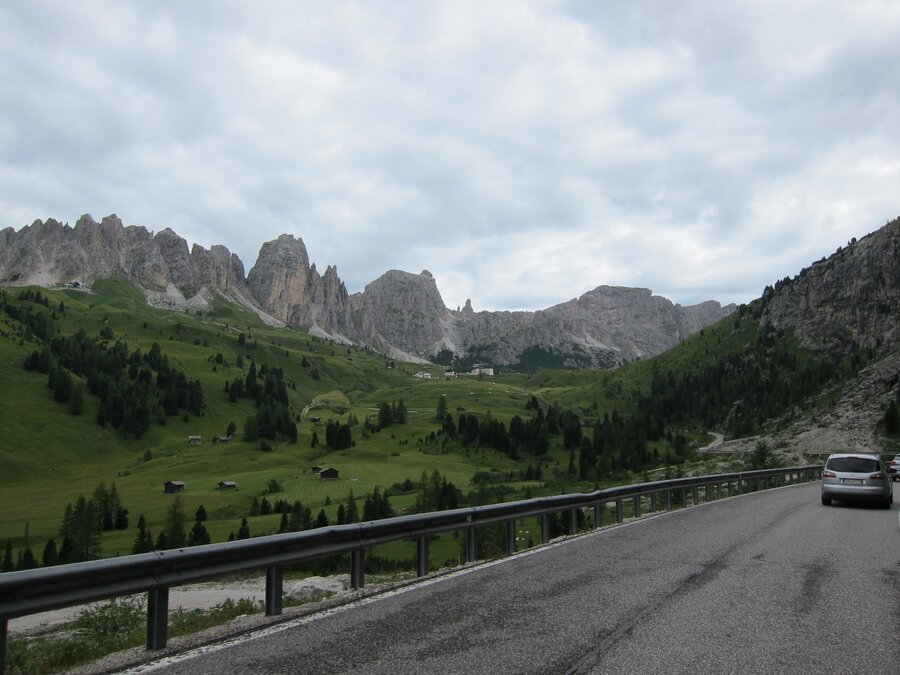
(762, 583)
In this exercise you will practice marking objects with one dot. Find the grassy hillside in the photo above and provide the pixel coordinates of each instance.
(594, 428)
(50, 456)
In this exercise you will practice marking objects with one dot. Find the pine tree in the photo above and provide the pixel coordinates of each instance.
(385, 415)
(65, 552)
(201, 514)
(399, 412)
(27, 561)
(198, 535)
(322, 519)
(50, 557)
(376, 506)
(143, 542)
(176, 537)
(7, 564)
(244, 530)
(352, 512)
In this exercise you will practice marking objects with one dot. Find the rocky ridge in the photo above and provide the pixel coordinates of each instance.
(847, 302)
(400, 314)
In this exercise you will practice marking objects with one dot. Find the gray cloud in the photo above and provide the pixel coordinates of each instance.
(522, 152)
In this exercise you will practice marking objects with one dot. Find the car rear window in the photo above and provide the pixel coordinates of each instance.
(853, 464)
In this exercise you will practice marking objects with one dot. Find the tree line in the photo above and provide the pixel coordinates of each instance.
(268, 390)
(134, 388)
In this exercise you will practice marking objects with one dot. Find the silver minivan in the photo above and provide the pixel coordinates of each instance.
(857, 476)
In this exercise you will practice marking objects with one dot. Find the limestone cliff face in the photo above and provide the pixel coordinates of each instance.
(847, 301)
(601, 328)
(405, 311)
(49, 253)
(284, 284)
(279, 280)
(400, 314)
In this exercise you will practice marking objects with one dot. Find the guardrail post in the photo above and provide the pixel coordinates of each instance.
(274, 588)
(653, 502)
(510, 536)
(637, 506)
(668, 500)
(684, 497)
(598, 509)
(357, 568)
(4, 625)
(422, 565)
(157, 618)
(471, 544)
(696, 495)
(545, 528)
(620, 515)
(573, 521)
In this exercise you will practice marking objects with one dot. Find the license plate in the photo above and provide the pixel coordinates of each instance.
(852, 481)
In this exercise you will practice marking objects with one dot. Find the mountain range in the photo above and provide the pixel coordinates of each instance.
(400, 314)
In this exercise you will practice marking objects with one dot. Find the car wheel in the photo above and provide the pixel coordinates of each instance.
(826, 501)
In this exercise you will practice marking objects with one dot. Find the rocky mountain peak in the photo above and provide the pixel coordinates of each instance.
(399, 313)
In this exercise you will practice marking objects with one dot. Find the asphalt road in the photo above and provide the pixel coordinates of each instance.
(763, 583)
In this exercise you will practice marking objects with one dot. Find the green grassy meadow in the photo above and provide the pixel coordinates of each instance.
(49, 457)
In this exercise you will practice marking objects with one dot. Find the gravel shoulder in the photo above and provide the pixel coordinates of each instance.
(201, 596)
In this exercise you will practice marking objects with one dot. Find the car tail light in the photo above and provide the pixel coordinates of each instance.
(876, 476)
(829, 474)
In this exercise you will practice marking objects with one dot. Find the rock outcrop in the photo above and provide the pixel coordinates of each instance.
(400, 314)
(405, 311)
(846, 305)
(848, 301)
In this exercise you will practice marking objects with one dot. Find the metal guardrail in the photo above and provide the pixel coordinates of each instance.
(38, 590)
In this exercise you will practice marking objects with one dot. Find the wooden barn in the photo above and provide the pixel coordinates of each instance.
(173, 486)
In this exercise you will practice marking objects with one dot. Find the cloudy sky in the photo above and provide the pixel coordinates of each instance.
(522, 152)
